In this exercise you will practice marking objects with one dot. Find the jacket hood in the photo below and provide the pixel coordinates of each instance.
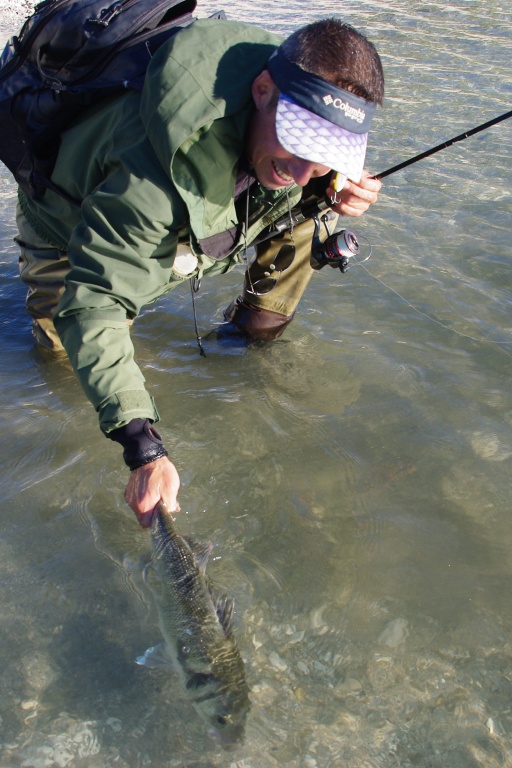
(196, 105)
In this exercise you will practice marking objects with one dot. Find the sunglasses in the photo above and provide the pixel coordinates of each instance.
(268, 281)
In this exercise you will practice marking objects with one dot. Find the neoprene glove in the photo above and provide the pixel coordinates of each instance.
(141, 442)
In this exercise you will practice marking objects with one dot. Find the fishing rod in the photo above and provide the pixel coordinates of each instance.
(445, 144)
(339, 248)
(314, 207)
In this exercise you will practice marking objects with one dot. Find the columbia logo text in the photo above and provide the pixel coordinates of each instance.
(354, 113)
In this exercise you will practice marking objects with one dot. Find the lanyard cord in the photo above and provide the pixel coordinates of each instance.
(195, 284)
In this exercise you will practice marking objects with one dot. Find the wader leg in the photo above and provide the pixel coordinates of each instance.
(254, 322)
(265, 317)
(42, 268)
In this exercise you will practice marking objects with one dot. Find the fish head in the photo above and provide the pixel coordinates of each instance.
(223, 708)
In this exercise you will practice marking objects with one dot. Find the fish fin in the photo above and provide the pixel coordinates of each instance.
(144, 570)
(200, 550)
(224, 607)
(155, 657)
(199, 680)
(152, 580)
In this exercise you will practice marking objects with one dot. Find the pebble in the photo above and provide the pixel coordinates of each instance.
(317, 617)
(349, 685)
(115, 724)
(490, 447)
(29, 704)
(394, 633)
(277, 662)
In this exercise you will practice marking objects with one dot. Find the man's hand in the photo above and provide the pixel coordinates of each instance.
(354, 199)
(158, 480)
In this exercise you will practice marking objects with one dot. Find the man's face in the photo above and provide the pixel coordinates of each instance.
(273, 165)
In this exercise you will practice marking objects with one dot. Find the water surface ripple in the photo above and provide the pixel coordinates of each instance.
(354, 477)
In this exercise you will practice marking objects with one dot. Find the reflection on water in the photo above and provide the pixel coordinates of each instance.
(354, 476)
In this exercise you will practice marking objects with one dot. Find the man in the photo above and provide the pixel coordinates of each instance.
(233, 128)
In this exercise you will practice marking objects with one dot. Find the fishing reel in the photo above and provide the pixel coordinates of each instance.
(336, 250)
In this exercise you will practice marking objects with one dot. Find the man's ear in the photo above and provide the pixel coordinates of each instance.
(263, 90)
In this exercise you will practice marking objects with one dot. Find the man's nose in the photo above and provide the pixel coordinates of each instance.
(304, 170)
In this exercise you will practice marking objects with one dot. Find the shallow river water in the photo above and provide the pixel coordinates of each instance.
(355, 476)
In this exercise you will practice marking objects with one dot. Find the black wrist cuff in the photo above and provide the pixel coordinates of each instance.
(141, 442)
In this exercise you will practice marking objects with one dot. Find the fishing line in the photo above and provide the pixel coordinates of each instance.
(484, 337)
(361, 262)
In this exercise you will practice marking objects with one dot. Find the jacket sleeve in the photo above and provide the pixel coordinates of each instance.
(121, 254)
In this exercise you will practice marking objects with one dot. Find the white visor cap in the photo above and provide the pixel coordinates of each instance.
(313, 138)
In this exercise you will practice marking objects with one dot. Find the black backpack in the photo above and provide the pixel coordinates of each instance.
(67, 56)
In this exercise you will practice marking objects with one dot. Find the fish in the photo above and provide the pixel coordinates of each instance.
(196, 621)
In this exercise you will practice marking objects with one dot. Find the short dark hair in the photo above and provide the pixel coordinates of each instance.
(338, 53)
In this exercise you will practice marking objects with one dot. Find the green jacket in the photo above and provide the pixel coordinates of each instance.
(153, 169)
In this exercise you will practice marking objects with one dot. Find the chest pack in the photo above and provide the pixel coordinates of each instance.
(67, 56)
